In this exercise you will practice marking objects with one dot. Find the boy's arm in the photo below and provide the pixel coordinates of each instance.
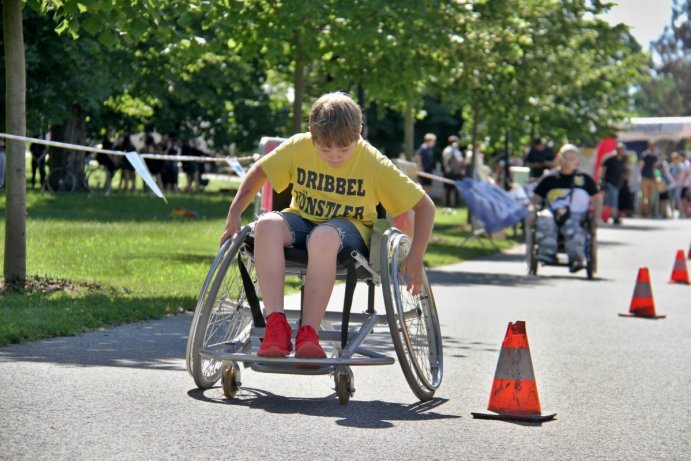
(249, 187)
(413, 263)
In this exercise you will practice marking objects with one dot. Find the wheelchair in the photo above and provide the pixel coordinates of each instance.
(590, 250)
(228, 324)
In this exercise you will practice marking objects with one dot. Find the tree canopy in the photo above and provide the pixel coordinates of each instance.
(230, 70)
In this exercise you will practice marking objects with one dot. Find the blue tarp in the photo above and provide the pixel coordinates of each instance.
(493, 207)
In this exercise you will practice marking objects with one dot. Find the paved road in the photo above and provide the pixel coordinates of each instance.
(620, 386)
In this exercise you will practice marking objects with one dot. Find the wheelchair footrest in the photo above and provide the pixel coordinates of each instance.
(231, 353)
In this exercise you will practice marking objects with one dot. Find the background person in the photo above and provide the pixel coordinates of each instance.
(647, 165)
(686, 188)
(154, 165)
(128, 177)
(193, 170)
(540, 157)
(169, 174)
(424, 157)
(613, 175)
(338, 179)
(106, 160)
(569, 194)
(38, 162)
(453, 165)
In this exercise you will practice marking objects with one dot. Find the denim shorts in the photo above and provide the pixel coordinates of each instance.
(611, 195)
(301, 229)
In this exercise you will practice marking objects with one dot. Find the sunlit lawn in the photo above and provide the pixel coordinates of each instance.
(131, 258)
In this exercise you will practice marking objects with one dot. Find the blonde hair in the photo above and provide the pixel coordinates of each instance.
(335, 120)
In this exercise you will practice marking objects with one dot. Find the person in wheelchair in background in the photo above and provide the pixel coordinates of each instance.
(338, 179)
(565, 197)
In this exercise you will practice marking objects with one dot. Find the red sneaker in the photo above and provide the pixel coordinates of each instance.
(276, 341)
(307, 344)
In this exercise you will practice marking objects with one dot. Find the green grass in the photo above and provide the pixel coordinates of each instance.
(131, 258)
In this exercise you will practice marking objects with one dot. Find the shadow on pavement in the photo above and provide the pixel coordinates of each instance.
(155, 345)
(481, 278)
(375, 414)
(634, 227)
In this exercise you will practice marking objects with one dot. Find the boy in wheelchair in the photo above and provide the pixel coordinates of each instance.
(338, 179)
(566, 197)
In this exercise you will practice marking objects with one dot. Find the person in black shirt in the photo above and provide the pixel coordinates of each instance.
(613, 174)
(647, 165)
(38, 162)
(539, 158)
(567, 195)
(424, 157)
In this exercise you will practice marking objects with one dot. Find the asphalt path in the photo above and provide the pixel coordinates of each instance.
(620, 386)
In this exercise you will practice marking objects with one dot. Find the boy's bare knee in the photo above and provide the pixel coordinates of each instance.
(324, 239)
(271, 226)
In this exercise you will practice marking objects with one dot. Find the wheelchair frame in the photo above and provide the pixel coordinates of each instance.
(590, 249)
(228, 324)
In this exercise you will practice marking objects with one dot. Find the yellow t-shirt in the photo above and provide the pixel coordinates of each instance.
(351, 191)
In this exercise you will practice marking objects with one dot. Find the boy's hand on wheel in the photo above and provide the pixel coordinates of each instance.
(233, 225)
(414, 268)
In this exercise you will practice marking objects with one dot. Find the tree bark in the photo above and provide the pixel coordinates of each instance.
(299, 87)
(15, 111)
(72, 131)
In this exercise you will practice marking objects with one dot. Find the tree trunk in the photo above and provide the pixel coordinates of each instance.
(15, 112)
(72, 131)
(299, 86)
(408, 130)
(362, 101)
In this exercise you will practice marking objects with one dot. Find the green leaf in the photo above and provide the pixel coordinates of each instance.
(92, 25)
(108, 38)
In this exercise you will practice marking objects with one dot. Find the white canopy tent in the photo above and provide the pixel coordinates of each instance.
(656, 128)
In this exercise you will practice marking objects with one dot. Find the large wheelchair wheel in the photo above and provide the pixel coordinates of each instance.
(531, 249)
(222, 314)
(413, 320)
(591, 253)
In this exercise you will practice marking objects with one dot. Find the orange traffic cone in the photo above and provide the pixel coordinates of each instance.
(680, 274)
(642, 303)
(514, 392)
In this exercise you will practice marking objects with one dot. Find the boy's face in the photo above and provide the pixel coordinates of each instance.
(336, 156)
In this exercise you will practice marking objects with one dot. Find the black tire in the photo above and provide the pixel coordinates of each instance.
(229, 381)
(222, 313)
(413, 321)
(531, 251)
(591, 255)
(342, 387)
(61, 180)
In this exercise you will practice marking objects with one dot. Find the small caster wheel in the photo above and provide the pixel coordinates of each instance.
(230, 382)
(343, 388)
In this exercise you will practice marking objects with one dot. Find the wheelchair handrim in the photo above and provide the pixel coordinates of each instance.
(426, 313)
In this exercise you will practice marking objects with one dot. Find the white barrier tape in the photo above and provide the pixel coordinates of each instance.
(143, 171)
(182, 158)
(236, 167)
(435, 177)
(136, 159)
